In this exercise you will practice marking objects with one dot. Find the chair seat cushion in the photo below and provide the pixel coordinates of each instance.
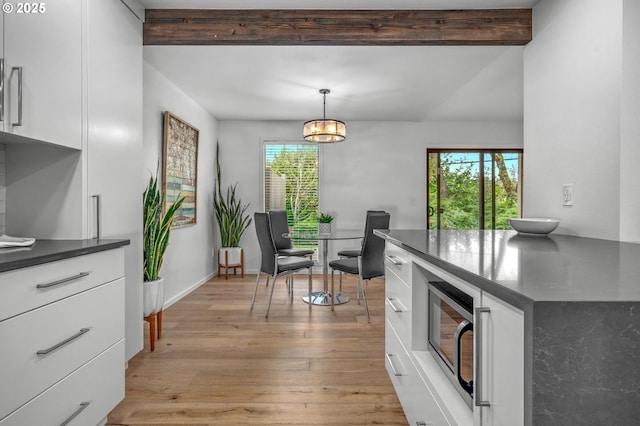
(350, 265)
(350, 253)
(293, 263)
(295, 252)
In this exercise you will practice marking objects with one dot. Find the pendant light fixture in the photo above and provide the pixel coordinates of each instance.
(324, 130)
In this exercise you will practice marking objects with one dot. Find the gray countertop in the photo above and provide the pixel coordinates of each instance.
(524, 269)
(44, 251)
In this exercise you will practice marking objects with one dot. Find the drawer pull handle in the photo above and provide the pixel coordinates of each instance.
(63, 280)
(393, 306)
(394, 260)
(421, 424)
(480, 402)
(83, 405)
(64, 342)
(393, 368)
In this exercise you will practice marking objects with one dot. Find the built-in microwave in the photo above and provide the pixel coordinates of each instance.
(450, 333)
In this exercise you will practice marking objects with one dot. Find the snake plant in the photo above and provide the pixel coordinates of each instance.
(230, 213)
(157, 227)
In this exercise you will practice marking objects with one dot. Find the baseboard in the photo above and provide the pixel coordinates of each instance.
(187, 290)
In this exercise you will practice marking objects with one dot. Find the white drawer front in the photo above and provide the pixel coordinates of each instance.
(399, 261)
(398, 305)
(20, 292)
(100, 310)
(416, 399)
(100, 383)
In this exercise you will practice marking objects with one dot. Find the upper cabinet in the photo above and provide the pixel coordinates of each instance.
(42, 80)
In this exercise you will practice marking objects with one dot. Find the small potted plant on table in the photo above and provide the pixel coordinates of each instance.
(324, 223)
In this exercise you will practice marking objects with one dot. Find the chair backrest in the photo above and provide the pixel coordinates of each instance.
(280, 226)
(373, 246)
(265, 240)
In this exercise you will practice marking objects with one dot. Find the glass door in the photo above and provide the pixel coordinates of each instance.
(470, 189)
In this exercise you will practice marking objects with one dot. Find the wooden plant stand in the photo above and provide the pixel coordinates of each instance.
(226, 265)
(155, 322)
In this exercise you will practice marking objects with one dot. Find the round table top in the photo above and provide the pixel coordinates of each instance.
(338, 234)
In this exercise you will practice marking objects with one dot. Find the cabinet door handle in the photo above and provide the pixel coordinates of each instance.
(393, 306)
(97, 197)
(480, 402)
(83, 405)
(19, 70)
(64, 342)
(393, 260)
(63, 280)
(1, 89)
(393, 368)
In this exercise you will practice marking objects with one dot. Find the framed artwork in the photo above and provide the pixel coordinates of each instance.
(180, 168)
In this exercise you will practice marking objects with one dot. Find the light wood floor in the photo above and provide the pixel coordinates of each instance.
(220, 363)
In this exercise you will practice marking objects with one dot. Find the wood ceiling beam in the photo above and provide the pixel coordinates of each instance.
(337, 27)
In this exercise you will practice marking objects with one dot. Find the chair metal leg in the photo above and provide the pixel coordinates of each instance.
(310, 272)
(255, 290)
(291, 287)
(364, 296)
(273, 285)
(332, 290)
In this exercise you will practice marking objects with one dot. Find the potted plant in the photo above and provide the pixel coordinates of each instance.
(231, 217)
(157, 227)
(324, 223)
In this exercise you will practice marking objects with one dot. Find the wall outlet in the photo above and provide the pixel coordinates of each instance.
(567, 194)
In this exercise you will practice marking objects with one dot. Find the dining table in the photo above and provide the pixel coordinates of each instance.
(323, 297)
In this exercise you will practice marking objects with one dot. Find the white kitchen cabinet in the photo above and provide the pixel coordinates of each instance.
(420, 408)
(43, 72)
(500, 335)
(61, 183)
(418, 403)
(68, 349)
(115, 167)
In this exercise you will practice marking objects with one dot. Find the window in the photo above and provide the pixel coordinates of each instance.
(291, 184)
(473, 189)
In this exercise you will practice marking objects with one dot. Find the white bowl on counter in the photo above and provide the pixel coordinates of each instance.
(534, 225)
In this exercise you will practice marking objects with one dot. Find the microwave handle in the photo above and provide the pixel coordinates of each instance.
(478, 348)
(464, 327)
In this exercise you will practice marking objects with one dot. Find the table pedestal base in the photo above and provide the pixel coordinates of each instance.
(324, 298)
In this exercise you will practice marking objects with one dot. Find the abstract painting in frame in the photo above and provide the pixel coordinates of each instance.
(180, 168)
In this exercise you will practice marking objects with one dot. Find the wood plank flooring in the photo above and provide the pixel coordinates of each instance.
(219, 363)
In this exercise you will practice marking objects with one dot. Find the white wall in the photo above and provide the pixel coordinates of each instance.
(630, 124)
(188, 262)
(381, 165)
(572, 113)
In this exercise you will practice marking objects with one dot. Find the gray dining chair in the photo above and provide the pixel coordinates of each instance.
(271, 263)
(370, 263)
(282, 240)
(355, 252)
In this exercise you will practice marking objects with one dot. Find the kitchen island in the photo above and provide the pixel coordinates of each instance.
(579, 299)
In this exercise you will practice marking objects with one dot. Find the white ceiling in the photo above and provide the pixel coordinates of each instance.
(394, 83)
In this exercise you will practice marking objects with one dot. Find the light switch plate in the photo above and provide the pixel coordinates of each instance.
(567, 194)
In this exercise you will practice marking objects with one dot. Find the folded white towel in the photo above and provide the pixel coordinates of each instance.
(7, 241)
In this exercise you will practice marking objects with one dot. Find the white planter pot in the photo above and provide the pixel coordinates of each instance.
(230, 256)
(324, 228)
(152, 296)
